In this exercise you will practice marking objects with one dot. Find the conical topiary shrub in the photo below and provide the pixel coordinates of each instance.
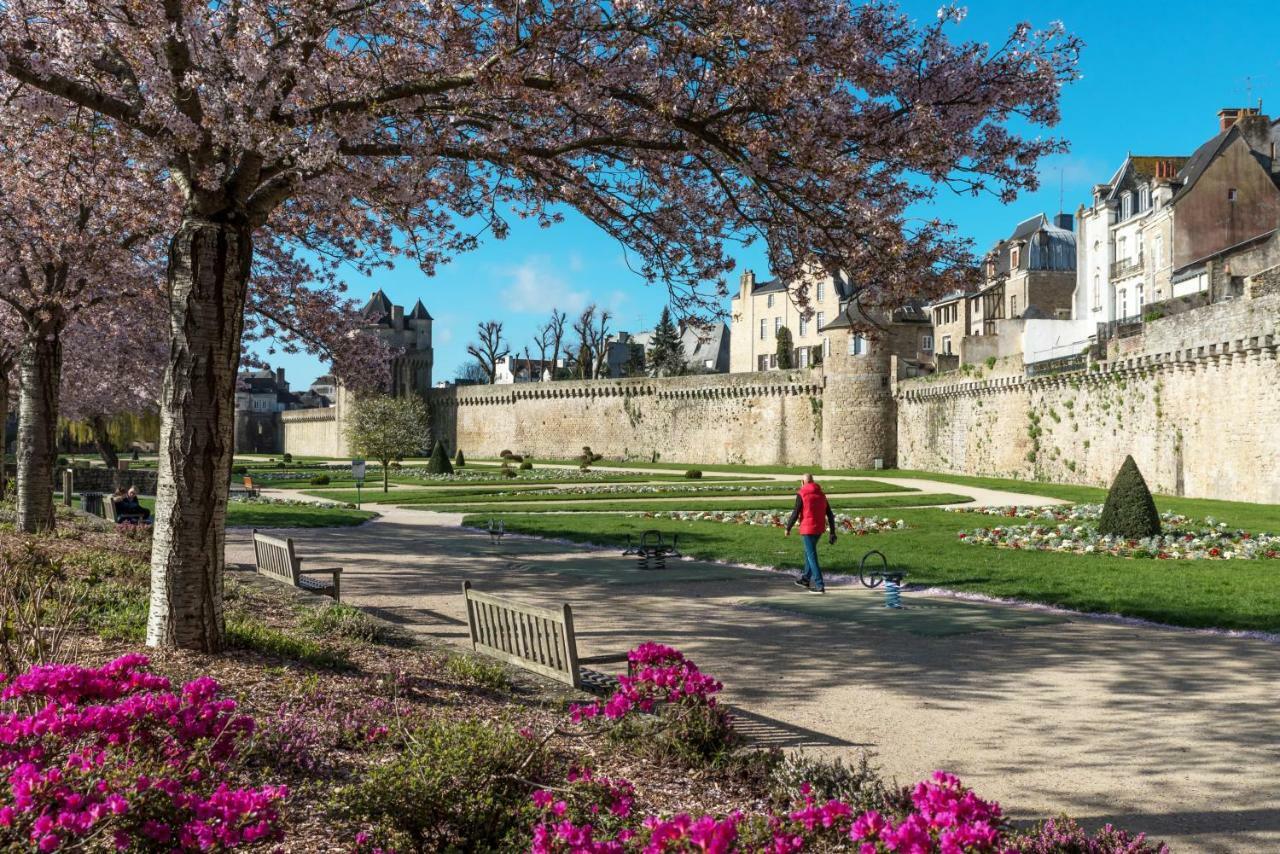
(458, 460)
(1130, 512)
(439, 462)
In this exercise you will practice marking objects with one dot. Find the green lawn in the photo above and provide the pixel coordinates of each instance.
(459, 490)
(654, 503)
(244, 515)
(1223, 594)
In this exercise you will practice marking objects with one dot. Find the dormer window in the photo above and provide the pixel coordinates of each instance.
(1014, 257)
(1126, 205)
(1144, 198)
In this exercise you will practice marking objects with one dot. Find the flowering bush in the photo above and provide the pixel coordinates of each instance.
(776, 519)
(664, 684)
(112, 753)
(943, 818)
(1064, 835)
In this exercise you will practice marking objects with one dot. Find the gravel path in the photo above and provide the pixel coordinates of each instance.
(1163, 730)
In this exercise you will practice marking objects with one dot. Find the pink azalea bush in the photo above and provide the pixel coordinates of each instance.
(944, 818)
(663, 683)
(113, 753)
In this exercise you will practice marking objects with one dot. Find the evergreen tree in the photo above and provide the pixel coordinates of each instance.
(666, 356)
(459, 461)
(439, 462)
(1130, 511)
(785, 359)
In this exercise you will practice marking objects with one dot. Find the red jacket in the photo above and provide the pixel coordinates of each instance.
(812, 510)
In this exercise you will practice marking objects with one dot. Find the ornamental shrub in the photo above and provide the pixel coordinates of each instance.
(111, 755)
(439, 462)
(666, 707)
(288, 458)
(456, 785)
(504, 453)
(799, 775)
(1063, 836)
(693, 474)
(320, 480)
(458, 460)
(1130, 512)
(526, 465)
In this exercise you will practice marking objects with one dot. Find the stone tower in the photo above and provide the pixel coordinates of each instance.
(859, 415)
(411, 370)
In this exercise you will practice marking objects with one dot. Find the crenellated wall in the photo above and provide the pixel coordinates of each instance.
(1196, 406)
(773, 418)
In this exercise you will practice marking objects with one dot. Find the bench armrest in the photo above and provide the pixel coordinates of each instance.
(615, 658)
(334, 570)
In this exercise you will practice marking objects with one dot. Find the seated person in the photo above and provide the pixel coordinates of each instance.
(129, 510)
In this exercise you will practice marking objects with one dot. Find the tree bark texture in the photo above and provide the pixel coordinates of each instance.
(4, 424)
(40, 375)
(102, 441)
(209, 261)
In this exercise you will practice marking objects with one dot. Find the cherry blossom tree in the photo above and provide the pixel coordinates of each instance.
(10, 335)
(79, 227)
(681, 127)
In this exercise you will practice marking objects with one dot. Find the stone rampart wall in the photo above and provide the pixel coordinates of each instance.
(313, 433)
(762, 418)
(1195, 406)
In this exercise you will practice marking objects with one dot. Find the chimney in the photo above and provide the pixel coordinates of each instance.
(1228, 116)
(280, 383)
(747, 282)
(1064, 221)
(397, 316)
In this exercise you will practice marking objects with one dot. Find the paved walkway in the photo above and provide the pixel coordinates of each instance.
(1168, 731)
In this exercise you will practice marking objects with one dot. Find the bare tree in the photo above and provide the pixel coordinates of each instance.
(600, 344)
(491, 348)
(555, 332)
(584, 327)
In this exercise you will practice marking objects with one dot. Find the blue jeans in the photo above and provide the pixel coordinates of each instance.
(812, 572)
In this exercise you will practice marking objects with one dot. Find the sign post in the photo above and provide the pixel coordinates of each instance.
(357, 472)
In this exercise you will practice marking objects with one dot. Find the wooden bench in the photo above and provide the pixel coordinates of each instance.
(250, 489)
(276, 558)
(537, 639)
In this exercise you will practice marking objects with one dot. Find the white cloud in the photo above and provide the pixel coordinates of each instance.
(536, 288)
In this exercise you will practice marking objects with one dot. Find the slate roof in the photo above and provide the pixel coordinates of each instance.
(378, 309)
(1048, 247)
(419, 312)
(912, 311)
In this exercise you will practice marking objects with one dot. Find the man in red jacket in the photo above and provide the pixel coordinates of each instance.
(810, 510)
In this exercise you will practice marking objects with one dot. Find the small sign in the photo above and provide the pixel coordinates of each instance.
(357, 470)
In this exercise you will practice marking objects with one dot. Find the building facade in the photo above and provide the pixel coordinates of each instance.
(760, 309)
(410, 371)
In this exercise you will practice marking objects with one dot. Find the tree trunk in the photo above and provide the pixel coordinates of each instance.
(208, 276)
(4, 424)
(40, 373)
(102, 441)
(386, 469)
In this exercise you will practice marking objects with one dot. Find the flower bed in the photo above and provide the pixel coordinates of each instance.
(1063, 513)
(777, 519)
(1216, 544)
(112, 753)
(289, 502)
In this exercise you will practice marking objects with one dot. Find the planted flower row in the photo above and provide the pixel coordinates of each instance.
(287, 502)
(1216, 544)
(778, 519)
(1061, 513)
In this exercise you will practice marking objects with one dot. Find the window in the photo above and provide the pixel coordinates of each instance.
(926, 343)
(764, 328)
(1126, 205)
(1144, 198)
(1014, 256)
(1013, 305)
(1124, 303)
(769, 301)
(1097, 295)
(857, 345)
(1139, 245)
(777, 324)
(773, 360)
(1138, 292)
(708, 363)
(946, 345)
(822, 320)
(1231, 195)
(822, 290)
(803, 360)
(1122, 249)
(1157, 248)
(826, 347)
(804, 327)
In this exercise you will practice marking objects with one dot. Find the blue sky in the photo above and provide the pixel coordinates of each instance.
(1155, 75)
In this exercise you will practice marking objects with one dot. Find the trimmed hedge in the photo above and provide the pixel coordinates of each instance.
(1130, 511)
(439, 462)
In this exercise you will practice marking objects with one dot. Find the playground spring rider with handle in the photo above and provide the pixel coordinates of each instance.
(872, 578)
